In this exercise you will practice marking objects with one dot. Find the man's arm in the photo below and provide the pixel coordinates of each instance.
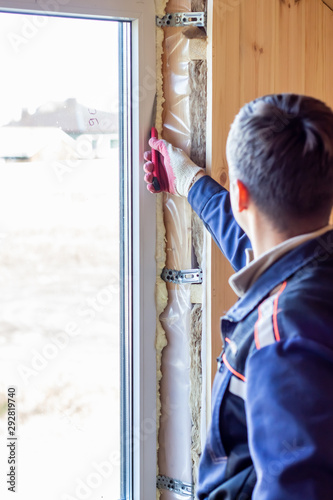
(212, 203)
(210, 200)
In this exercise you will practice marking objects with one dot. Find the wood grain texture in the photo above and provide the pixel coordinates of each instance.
(329, 3)
(260, 47)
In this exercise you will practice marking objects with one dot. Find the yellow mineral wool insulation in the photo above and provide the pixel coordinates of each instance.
(196, 386)
(160, 6)
(198, 5)
(198, 110)
(197, 237)
(159, 81)
(198, 49)
(196, 294)
(161, 293)
(198, 106)
(161, 289)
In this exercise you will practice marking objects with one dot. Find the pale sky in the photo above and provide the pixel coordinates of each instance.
(50, 59)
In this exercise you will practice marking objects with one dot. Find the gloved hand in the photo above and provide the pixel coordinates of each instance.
(178, 172)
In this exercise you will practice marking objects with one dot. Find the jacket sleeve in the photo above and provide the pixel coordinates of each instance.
(290, 420)
(212, 203)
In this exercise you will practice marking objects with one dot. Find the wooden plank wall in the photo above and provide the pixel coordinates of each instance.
(261, 47)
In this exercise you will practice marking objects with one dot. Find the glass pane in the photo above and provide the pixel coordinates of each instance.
(59, 256)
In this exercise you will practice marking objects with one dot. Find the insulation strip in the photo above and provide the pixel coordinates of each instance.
(179, 326)
(196, 386)
(161, 295)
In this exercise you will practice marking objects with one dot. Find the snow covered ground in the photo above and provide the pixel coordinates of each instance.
(59, 329)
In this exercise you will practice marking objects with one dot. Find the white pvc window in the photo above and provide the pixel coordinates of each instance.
(77, 248)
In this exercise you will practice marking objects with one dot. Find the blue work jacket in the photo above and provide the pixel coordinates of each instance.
(271, 433)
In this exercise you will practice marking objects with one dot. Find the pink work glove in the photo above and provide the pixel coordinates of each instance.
(176, 170)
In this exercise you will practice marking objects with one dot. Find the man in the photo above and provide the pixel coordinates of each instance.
(271, 435)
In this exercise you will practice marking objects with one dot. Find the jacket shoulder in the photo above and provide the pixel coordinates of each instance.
(304, 307)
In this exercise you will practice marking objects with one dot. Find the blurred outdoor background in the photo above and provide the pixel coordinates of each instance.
(59, 255)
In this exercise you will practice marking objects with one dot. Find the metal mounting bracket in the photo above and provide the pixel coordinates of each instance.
(180, 19)
(185, 276)
(167, 483)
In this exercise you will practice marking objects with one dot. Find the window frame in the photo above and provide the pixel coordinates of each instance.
(143, 275)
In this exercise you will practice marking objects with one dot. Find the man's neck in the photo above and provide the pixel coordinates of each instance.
(264, 237)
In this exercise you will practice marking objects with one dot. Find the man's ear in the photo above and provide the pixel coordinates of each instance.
(243, 196)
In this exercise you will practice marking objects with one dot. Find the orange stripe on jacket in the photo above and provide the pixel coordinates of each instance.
(275, 311)
(256, 333)
(238, 375)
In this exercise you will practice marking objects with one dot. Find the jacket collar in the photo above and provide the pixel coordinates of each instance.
(316, 250)
(245, 277)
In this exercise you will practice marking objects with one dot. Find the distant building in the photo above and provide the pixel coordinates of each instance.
(60, 131)
(71, 117)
